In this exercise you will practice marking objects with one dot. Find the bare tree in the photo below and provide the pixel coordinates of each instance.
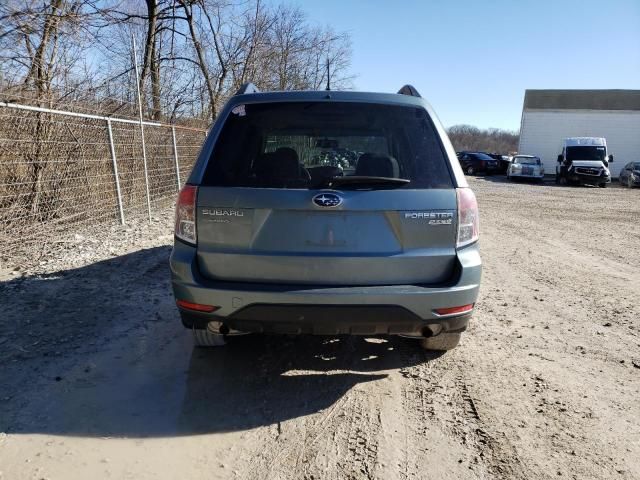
(35, 36)
(194, 53)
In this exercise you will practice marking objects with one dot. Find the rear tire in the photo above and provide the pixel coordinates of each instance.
(603, 185)
(471, 170)
(442, 342)
(205, 338)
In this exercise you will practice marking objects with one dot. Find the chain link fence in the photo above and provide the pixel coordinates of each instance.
(64, 172)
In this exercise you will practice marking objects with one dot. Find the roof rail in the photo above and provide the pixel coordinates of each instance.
(409, 90)
(247, 88)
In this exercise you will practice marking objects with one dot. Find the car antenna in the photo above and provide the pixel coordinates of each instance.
(328, 76)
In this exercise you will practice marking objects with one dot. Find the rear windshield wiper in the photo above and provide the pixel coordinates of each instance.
(365, 182)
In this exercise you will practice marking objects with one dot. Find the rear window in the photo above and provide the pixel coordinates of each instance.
(527, 160)
(301, 145)
(483, 156)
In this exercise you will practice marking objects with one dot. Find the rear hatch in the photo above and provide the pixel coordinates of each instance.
(327, 193)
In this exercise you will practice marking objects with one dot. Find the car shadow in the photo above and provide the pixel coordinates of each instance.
(293, 377)
(102, 353)
(548, 181)
(489, 178)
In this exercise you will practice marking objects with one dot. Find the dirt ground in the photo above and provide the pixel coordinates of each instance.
(99, 380)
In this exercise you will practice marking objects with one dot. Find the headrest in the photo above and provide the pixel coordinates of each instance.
(374, 165)
(287, 154)
(279, 165)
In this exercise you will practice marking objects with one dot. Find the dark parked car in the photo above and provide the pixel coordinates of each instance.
(473, 163)
(630, 175)
(503, 162)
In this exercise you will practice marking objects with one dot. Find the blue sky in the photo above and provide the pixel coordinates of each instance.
(473, 60)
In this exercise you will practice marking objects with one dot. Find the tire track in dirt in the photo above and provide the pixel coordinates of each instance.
(493, 447)
(362, 439)
(438, 394)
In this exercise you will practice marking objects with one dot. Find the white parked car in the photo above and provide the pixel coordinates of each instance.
(526, 166)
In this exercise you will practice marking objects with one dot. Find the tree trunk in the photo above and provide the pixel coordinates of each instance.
(149, 47)
(155, 86)
(37, 73)
(201, 60)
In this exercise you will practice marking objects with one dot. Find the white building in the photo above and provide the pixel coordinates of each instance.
(550, 116)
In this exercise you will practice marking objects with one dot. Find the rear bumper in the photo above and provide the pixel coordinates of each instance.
(394, 309)
(525, 177)
(328, 320)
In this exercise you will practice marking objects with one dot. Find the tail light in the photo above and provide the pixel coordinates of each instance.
(468, 218)
(186, 214)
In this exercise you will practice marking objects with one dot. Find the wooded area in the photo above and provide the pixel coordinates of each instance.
(492, 140)
(193, 54)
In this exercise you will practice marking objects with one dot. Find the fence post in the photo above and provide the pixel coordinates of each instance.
(115, 171)
(175, 155)
(144, 149)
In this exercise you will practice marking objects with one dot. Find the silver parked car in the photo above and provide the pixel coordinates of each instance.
(268, 240)
(526, 167)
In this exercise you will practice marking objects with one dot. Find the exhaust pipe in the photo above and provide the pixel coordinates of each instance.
(431, 330)
(427, 332)
(222, 328)
(218, 327)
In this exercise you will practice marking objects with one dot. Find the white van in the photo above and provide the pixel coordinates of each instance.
(584, 161)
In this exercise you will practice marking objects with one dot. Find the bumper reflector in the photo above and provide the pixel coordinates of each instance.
(452, 310)
(198, 307)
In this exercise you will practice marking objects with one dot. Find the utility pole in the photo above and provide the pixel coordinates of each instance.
(328, 75)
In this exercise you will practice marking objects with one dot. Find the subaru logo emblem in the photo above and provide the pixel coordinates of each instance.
(327, 200)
